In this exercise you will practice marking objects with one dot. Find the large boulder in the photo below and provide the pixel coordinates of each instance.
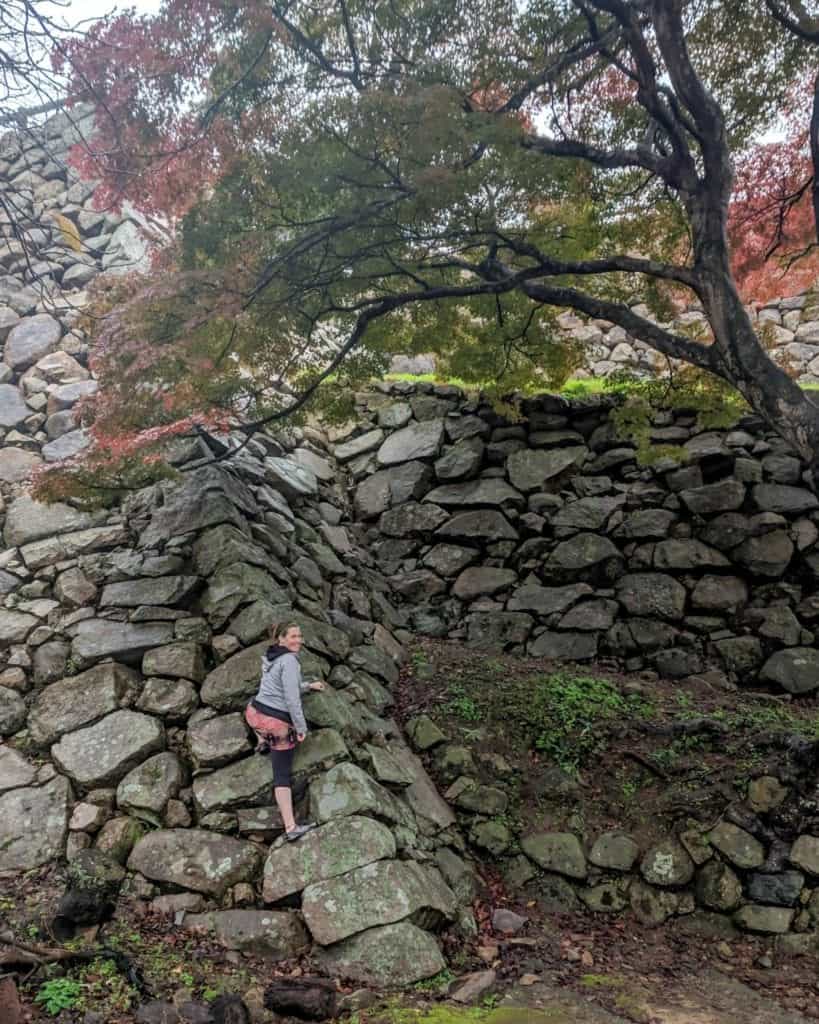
(31, 339)
(491, 492)
(15, 627)
(15, 771)
(183, 660)
(214, 742)
(783, 499)
(482, 524)
(722, 496)
(482, 581)
(13, 408)
(687, 554)
(795, 669)
(556, 851)
(768, 555)
(205, 497)
(586, 513)
(101, 754)
(667, 863)
(585, 554)
(33, 825)
(231, 685)
(12, 711)
(71, 703)
(236, 585)
(348, 790)
(328, 851)
(411, 519)
(379, 893)
(393, 956)
(193, 858)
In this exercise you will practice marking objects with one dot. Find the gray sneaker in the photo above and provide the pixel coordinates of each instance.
(299, 831)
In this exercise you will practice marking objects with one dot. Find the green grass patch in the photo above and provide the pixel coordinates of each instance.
(573, 388)
(560, 714)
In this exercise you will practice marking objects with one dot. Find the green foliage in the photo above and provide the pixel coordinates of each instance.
(463, 706)
(437, 983)
(58, 994)
(714, 402)
(566, 715)
(561, 714)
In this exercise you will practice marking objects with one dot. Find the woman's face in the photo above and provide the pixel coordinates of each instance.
(292, 640)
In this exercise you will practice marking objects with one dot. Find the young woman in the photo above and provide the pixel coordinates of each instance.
(275, 715)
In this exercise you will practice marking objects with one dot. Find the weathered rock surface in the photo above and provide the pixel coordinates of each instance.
(380, 893)
(101, 754)
(195, 859)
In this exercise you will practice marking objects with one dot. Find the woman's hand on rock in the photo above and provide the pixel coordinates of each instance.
(318, 685)
(300, 736)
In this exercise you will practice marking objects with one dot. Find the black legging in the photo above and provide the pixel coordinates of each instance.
(282, 759)
(282, 766)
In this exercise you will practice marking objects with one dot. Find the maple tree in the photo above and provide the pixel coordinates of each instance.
(347, 180)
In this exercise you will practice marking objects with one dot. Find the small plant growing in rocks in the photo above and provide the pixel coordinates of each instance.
(58, 994)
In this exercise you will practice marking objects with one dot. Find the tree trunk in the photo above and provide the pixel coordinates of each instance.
(742, 361)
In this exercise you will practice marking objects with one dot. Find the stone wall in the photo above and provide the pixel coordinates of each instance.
(131, 640)
(790, 328)
(53, 242)
(131, 643)
(544, 536)
(753, 860)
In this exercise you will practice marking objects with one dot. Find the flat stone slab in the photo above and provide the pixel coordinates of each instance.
(69, 545)
(103, 753)
(196, 859)
(101, 638)
(416, 441)
(33, 825)
(380, 893)
(270, 934)
(163, 590)
(328, 851)
(71, 703)
(28, 520)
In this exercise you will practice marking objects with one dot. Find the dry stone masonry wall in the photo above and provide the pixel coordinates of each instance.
(545, 536)
(130, 640)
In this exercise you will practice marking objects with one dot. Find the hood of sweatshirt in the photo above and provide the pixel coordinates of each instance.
(275, 651)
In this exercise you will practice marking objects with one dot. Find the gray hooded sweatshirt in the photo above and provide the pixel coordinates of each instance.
(281, 685)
